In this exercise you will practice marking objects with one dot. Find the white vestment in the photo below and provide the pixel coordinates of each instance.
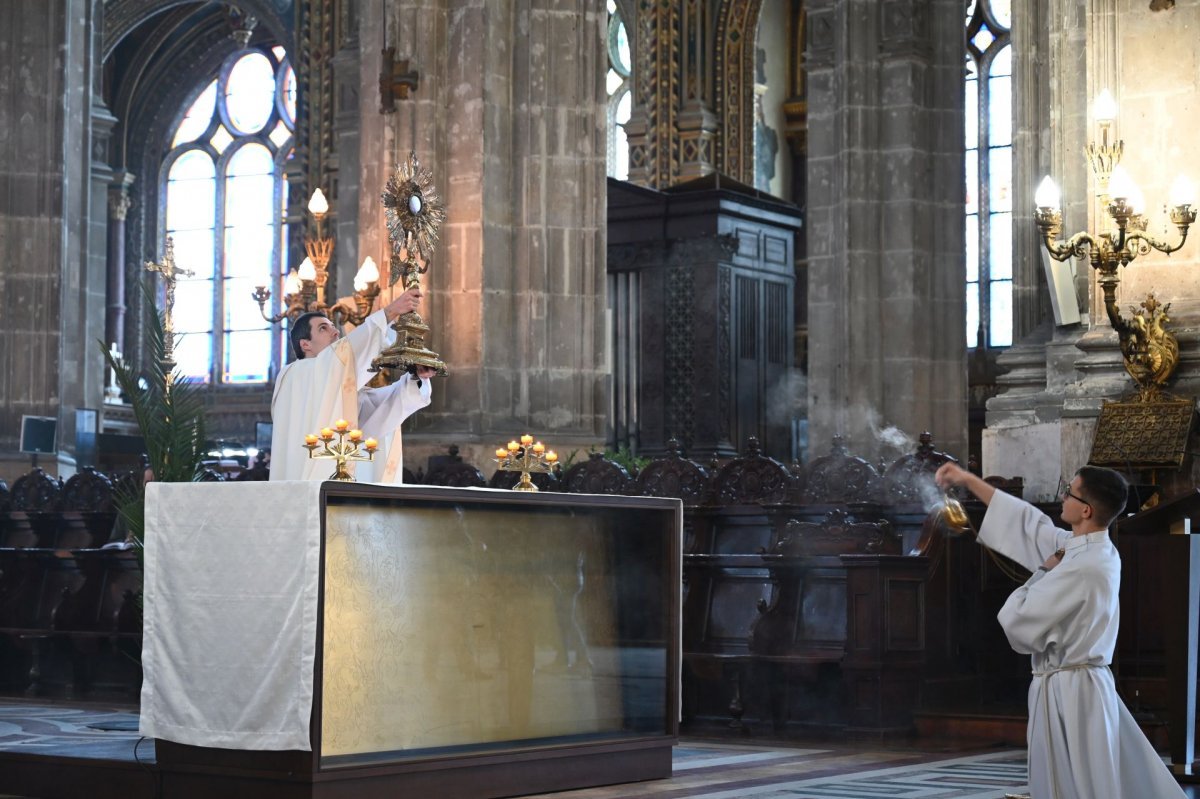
(313, 393)
(1083, 742)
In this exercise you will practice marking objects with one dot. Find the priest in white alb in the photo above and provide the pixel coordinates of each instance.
(1083, 742)
(327, 382)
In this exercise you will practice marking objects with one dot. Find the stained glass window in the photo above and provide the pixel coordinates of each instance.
(619, 82)
(225, 201)
(989, 173)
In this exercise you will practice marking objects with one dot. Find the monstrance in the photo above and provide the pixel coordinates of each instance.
(414, 215)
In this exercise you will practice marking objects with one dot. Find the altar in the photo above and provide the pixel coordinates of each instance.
(337, 639)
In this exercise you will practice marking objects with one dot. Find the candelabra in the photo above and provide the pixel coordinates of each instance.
(349, 447)
(526, 457)
(304, 289)
(1121, 239)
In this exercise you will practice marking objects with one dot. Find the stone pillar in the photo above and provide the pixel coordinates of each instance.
(885, 240)
(118, 208)
(344, 162)
(514, 133)
(48, 316)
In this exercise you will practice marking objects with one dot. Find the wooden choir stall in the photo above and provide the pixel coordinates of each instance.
(337, 640)
(1160, 619)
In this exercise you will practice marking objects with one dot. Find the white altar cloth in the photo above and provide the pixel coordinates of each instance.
(229, 638)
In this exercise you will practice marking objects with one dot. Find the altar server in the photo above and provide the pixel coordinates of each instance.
(326, 383)
(1083, 742)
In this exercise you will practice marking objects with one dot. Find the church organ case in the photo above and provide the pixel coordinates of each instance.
(701, 284)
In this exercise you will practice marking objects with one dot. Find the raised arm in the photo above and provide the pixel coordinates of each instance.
(951, 474)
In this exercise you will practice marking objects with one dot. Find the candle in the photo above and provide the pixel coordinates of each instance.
(371, 444)
(356, 435)
(551, 456)
(326, 433)
(340, 425)
(539, 448)
(513, 446)
(310, 440)
(526, 440)
(501, 454)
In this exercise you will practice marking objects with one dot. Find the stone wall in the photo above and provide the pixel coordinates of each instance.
(885, 229)
(509, 116)
(52, 308)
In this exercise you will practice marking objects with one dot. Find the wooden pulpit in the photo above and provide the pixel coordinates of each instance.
(1160, 610)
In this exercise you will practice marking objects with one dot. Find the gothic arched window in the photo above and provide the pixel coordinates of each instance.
(989, 173)
(225, 199)
(619, 82)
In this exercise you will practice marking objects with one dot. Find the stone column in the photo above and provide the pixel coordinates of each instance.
(118, 208)
(344, 162)
(48, 318)
(514, 133)
(885, 240)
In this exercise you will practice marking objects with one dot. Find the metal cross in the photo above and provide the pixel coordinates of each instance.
(170, 273)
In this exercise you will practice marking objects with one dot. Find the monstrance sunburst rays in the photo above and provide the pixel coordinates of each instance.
(414, 215)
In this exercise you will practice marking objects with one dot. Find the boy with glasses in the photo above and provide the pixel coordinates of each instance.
(1083, 742)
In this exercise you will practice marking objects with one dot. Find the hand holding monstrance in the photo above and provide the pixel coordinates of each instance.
(414, 214)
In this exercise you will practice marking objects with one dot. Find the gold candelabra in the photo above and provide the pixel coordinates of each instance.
(527, 457)
(349, 447)
(304, 288)
(1123, 236)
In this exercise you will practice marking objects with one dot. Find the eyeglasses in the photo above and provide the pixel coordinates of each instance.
(1067, 493)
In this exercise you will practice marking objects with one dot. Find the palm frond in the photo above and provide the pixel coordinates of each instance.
(169, 411)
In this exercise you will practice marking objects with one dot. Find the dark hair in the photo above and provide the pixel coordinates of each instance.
(302, 331)
(1105, 490)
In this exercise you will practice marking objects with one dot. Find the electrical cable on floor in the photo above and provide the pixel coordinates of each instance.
(154, 774)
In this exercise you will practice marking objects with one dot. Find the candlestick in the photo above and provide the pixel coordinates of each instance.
(347, 448)
(525, 459)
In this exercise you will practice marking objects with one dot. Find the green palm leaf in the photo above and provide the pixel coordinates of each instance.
(169, 411)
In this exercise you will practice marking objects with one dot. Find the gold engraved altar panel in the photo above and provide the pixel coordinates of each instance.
(465, 628)
(1143, 434)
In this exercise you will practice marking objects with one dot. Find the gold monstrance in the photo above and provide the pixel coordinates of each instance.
(414, 214)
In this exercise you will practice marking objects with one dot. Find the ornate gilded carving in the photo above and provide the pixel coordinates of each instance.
(737, 24)
(1150, 351)
(315, 116)
(1143, 434)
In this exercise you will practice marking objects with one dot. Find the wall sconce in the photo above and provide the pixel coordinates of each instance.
(395, 81)
(1124, 237)
(304, 288)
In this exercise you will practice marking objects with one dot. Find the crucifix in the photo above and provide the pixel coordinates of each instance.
(112, 391)
(170, 273)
